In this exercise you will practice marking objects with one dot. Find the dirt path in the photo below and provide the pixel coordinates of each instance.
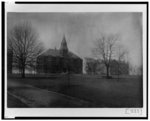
(36, 97)
(14, 102)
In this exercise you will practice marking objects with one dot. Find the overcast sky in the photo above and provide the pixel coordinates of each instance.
(82, 29)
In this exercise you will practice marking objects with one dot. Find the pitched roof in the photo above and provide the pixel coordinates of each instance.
(51, 52)
(73, 55)
(56, 53)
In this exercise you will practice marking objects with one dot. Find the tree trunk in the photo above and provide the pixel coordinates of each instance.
(118, 70)
(23, 72)
(107, 71)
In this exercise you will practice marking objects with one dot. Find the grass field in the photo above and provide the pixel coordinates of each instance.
(100, 92)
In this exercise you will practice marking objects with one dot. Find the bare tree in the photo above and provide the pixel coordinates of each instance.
(120, 56)
(105, 49)
(23, 41)
(140, 72)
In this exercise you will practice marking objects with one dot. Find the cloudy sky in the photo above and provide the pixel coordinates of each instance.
(82, 29)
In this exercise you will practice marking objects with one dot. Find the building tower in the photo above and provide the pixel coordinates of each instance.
(64, 47)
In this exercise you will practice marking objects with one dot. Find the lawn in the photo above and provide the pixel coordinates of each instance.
(100, 92)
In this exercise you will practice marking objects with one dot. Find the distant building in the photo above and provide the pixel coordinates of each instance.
(9, 60)
(119, 67)
(59, 60)
(94, 66)
(91, 65)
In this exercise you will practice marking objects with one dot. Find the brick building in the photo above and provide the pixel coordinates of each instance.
(59, 60)
(93, 66)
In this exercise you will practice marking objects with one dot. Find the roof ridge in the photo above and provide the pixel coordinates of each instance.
(43, 52)
(56, 52)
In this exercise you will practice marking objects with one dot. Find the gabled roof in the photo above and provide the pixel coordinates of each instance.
(56, 53)
(72, 55)
(51, 52)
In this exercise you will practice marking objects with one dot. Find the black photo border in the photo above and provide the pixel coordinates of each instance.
(73, 2)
